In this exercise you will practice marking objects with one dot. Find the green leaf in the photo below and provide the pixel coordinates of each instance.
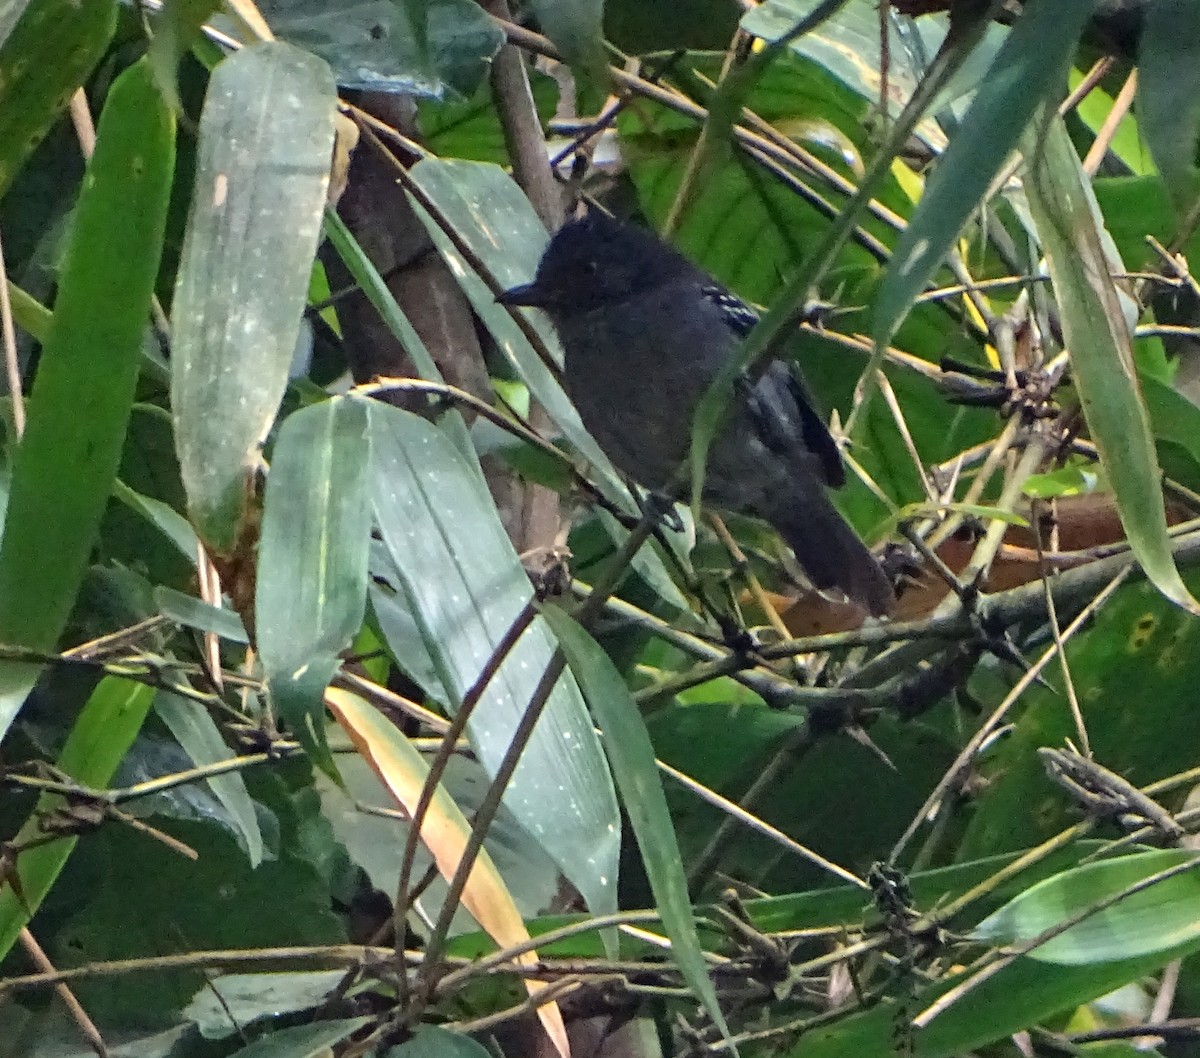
(197, 734)
(1067, 481)
(266, 135)
(1097, 335)
(1176, 423)
(726, 747)
(432, 1042)
(400, 630)
(312, 558)
(632, 758)
(48, 55)
(1158, 918)
(1132, 668)
(471, 129)
(174, 31)
(29, 314)
(192, 613)
(826, 907)
(10, 13)
(1029, 66)
(1168, 93)
(78, 412)
(229, 1001)
(166, 519)
(450, 564)
(100, 738)
(848, 45)
(301, 1041)
(1127, 143)
(410, 47)
(637, 27)
(974, 510)
(576, 27)
(1023, 994)
(134, 897)
(739, 205)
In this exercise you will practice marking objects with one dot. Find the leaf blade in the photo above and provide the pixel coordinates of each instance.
(66, 463)
(312, 559)
(1097, 335)
(451, 565)
(1028, 67)
(631, 754)
(266, 137)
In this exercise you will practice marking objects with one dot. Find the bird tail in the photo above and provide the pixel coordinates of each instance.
(831, 554)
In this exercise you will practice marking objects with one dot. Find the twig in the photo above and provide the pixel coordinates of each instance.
(481, 824)
(1116, 114)
(439, 763)
(966, 755)
(330, 955)
(743, 566)
(85, 1023)
(737, 813)
(548, 994)
(1056, 631)
(522, 130)
(390, 699)
(498, 959)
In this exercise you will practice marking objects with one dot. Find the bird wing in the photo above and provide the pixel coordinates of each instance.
(777, 406)
(780, 400)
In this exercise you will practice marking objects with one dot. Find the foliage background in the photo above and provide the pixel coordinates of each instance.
(253, 599)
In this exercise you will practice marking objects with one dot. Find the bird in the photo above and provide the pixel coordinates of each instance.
(644, 332)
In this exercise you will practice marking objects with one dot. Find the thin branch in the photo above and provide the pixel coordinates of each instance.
(437, 767)
(963, 761)
(86, 1026)
(736, 813)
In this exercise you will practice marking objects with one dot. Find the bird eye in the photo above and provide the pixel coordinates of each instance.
(591, 267)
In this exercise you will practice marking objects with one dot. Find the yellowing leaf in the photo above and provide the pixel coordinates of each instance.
(444, 832)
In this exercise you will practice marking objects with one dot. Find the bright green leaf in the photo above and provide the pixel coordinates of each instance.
(1155, 919)
(64, 467)
(1067, 481)
(101, 736)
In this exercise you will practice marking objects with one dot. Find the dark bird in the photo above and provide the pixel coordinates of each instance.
(644, 332)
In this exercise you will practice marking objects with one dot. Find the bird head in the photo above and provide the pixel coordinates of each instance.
(593, 262)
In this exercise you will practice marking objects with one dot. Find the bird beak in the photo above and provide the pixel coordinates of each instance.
(530, 295)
